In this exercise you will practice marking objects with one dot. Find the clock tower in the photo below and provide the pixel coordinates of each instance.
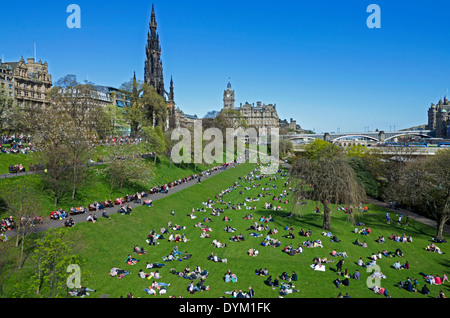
(228, 97)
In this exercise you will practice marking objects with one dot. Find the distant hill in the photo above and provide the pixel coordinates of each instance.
(421, 127)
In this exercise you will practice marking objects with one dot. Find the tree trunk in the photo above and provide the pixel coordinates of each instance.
(74, 182)
(440, 228)
(18, 236)
(326, 217)
(56, 199)
(21, 251)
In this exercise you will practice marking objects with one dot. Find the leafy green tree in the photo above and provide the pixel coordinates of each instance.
(54, 252)
(6, 104)
(147, 107)
(124, 167)
(320, 149)
(156, 140)
(23, 203)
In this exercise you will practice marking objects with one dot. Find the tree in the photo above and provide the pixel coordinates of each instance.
(425, 184)
(320, 149)
(286, 147)
(123, 167)
(6, 104)
(115, 122)
(79, 151)
(54, 252)
(155, 107)
(81, 102)
(327, 180)
(147, 107)
(155, 139)
(23, 204)
(55, 132)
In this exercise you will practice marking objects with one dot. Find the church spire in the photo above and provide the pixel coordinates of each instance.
(171, 93)
(153, 65)
(153, 18)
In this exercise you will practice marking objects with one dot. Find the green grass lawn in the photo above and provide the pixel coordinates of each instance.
(11, 159)
(95, 188)
(108, 242)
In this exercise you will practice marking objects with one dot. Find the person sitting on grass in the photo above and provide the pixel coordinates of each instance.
(105, 215)
(262, 272)
(131, 261)
(253, 252)
(425, 290)
(230, 277)
(143, 275)
(334, 239)
(397, 265)
(139, 250)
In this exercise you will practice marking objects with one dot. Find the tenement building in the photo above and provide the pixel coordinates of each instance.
(439, 119)
(259, 116)
(27, 83)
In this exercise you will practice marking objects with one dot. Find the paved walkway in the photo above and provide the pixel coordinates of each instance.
(110, 211)
(411, 215)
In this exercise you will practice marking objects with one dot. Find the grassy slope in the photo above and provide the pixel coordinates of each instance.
(109, 242)
(96, 189)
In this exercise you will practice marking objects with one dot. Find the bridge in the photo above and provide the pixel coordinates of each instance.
(371, 137)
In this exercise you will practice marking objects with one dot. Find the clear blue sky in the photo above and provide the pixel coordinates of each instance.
(317, 60)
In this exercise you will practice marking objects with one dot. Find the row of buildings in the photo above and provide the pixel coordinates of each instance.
(28, 84)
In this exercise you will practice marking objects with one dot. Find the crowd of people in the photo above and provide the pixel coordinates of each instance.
(16, 145)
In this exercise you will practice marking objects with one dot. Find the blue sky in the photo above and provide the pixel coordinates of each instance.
(317, 60)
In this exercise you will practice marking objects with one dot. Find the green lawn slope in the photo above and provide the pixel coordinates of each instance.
(108, 242)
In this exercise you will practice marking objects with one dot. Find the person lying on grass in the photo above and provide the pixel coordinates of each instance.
(433, 248)
(154, 265)
(117, 272)
(216, 259)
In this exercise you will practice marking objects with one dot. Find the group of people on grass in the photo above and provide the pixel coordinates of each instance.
(284, 282)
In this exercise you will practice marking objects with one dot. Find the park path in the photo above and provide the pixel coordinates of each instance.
(411, 215)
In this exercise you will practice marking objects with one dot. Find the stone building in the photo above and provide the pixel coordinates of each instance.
(27, 83)
(439, 119)
(259, 116)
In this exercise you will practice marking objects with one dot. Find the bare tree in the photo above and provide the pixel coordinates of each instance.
(329, 180)
(425, 183)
